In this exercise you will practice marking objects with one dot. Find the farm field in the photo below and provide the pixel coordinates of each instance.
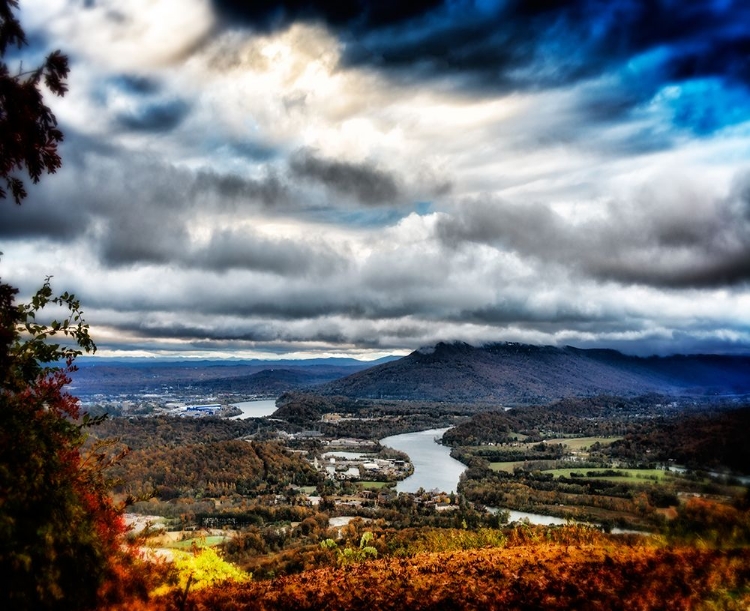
(624, 476)
(209, 541)
(576, 444)
(506, 467)
(368, 485)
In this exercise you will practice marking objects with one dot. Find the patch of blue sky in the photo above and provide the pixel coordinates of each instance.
(238, 156)
(253, 150)
(720, 6)
(137, 90)
(156, 116)
(31, 54)
(649, 63)
(371, 218)
(134, 84)
(423, 208)
(705, 106)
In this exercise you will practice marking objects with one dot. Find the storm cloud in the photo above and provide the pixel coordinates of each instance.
(368, 184)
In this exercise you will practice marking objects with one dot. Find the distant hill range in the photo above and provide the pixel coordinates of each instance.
(511, 373)
(138, 377)
(507, 373)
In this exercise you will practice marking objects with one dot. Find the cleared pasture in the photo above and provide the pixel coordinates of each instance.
(630, 476)
(368, 485)
(209, 541)
(584, 443)
(507, 467)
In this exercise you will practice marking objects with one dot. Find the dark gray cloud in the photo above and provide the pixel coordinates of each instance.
(698, 244)
(136, 209)
(271, 190)
(521, 311)
(273, 14)
(232, 249)
(130, 239)
(158, 116)
(237, 332)
(364, 182)
(38, 218)
(160, 231)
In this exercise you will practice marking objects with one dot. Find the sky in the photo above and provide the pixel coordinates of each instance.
(262, 179)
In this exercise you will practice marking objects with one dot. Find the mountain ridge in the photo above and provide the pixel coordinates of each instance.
(523, 373)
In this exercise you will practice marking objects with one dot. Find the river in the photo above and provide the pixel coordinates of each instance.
(433, 465)
(255, 409)
(533, 518)
(434, 468)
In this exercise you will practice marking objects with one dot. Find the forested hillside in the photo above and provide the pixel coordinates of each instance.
(210, 469)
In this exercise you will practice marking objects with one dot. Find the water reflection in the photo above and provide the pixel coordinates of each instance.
(433, 466)
(255, 409)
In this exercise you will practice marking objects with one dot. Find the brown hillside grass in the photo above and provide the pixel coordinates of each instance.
(529, 576)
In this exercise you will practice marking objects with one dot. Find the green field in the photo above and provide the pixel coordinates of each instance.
(375, 485)
(519, 436)
(508, 467)
(198, 542)
(584, 443)
(627, 475)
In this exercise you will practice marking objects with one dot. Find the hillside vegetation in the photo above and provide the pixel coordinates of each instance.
(569, 568)
(212, 468)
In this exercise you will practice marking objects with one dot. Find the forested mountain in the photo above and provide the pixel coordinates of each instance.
(517, 373)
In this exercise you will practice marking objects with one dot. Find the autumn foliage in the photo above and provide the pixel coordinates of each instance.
(61, 534)
(530, 573)
(211, 468)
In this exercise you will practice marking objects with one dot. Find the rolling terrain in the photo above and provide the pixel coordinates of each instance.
(143, 376)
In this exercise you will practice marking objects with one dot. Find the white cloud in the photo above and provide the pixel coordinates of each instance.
(122, 36)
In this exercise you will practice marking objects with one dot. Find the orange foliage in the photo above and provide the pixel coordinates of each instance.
(711, 523)
(531, 574)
